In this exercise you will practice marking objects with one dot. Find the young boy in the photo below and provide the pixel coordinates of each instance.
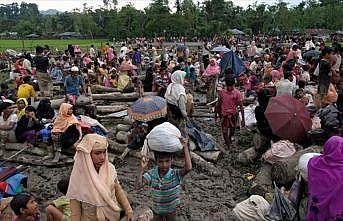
(165, 183)
(229, 99)
(59, 209)
(25, 208)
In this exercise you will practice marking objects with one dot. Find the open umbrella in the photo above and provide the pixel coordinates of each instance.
(312, 54)
(288, 118)
(148, 108)
(221, 49)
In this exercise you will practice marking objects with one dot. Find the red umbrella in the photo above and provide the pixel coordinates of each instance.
(288, 118)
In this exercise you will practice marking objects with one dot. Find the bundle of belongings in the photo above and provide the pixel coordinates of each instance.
(330, 117)
(156, 140)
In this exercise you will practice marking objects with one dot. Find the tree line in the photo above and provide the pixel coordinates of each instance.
(186, 18)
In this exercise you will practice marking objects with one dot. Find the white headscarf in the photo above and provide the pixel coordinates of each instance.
(175, 89)
(252, 209)
(92, 187)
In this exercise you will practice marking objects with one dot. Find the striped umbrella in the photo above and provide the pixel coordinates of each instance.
(148, 108)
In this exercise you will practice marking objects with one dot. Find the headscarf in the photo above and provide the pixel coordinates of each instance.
(176, 88)
(212, 70)
(98, 187)
(21, 112)
(64, 120)
(252, 209)
(325, 182)
(44, 110)
(276, 75)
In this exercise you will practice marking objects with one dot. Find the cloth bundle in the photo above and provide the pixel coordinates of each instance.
(330, 116)
(279, 150)
(252, 209)
(162, 138)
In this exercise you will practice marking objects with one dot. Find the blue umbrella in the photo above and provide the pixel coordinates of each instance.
(148, 108)
(221, 49)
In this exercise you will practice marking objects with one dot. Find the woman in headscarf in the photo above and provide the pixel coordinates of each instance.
(45, 112)
(176, 101)
(65, 119)
(325, 182)
(102, 197)
(21, 105)
(210, 74)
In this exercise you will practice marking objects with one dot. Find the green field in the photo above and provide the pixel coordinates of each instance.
(59, 44)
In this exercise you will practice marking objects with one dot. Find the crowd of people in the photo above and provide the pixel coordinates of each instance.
(311, 73)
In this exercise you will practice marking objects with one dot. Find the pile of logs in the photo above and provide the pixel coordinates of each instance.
(282, 171)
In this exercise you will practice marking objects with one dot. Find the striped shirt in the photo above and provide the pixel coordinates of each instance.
(165, 191)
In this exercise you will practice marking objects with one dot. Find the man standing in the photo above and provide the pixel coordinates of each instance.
(73, 83)
(229, 100)
(286, 86)
(42, 63)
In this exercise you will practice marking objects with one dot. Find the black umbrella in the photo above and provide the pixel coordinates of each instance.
(312, 54)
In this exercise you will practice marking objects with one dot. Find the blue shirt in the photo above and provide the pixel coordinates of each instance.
(73, 84)
(165, 191)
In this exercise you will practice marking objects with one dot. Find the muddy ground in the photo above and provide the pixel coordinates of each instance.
(206, 196)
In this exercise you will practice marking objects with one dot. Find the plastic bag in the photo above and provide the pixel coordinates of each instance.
(281, 208)
(202, 141)
(295, 192)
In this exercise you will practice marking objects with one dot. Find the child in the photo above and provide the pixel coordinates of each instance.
(300, 95)
(59, 209)
(165, 183)
(25, 207)
(229, 99)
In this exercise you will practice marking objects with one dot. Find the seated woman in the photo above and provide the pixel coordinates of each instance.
(21, 105)
(8, 123)
(104, 198)
(27, 127)
(325, 182)
(45, 113)
(63, 130)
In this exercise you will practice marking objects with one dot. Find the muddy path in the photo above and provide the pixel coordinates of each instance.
(206, 196)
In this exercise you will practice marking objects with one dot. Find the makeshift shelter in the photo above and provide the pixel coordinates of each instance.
(231, 60)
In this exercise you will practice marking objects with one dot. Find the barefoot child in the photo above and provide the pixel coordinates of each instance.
(165, 183)
(229, 99)
(59, 209)
(25, 208)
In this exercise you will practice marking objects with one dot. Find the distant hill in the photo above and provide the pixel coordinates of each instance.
(50, 12)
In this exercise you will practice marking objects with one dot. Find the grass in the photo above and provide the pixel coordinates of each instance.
(59, 44)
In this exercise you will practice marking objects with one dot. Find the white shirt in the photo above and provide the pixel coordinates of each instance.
(123, 51)
(285, 87)
(338, 61)
(92, 53)
(309, 45)
(12, 118)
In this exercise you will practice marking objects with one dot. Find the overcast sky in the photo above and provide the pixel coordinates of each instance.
(68, 5)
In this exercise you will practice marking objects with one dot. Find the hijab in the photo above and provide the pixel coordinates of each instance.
(64, 120)
(326, 195)
(44, 110)
(21, 112)
(176, 88)
(98, 186)
(212, 70)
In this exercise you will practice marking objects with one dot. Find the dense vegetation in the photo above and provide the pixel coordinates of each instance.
(185, 19)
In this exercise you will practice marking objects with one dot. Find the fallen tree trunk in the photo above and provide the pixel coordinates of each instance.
(110, 109)
(203, 164)
(117, 96)
(247, 156)
(123, 127)
(99, 89)
(262, 183)
(116, 147)
(284, 170)
(122, 137)
(56, 103)
(211, 156)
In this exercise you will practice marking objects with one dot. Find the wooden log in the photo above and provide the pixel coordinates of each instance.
(116, 147)
(247, 156)
(128, 120)
(203, 164)
(117, 96)
(123, 127)
(56, 103)
(211, 156)
(100, 89)
(122, 137)
(284, 170)
(38, 151)
(262, 183)
(110, 109)
(119, 114)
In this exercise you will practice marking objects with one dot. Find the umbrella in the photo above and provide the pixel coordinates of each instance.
(288, 118)
(312, 54)
(148, 108)
(221, 49)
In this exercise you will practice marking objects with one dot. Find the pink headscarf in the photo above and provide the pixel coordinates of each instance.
(212, 70)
